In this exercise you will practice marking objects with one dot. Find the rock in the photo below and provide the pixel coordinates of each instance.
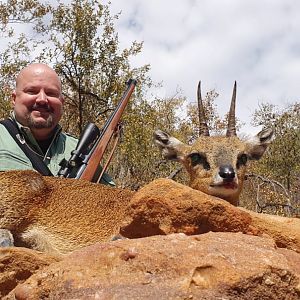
(208, 266)
(174, 243)
(165, 206)
(18, 264)
(6, 238)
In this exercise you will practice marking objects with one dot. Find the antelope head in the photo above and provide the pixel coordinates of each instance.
(216, 164)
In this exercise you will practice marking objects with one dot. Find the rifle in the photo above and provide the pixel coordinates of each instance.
(85, 159)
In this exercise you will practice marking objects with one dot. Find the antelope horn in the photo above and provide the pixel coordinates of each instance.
(203, 128)
(231, 130)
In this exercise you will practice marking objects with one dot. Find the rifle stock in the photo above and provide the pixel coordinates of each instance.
(90, 163)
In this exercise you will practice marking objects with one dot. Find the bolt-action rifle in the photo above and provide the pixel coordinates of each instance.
(85, 159)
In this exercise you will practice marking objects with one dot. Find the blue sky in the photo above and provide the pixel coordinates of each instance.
(256, 43)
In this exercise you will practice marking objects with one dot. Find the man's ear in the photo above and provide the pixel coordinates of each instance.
(13, 98)
(170, 147)
(62, 99)
(259, 144)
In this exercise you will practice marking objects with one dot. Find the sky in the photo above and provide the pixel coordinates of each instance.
(256, 43)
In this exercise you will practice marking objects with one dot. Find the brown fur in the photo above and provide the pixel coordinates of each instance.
(59, 215)
(218, 151)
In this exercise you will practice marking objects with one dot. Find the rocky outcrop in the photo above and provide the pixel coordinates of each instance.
(18, 264)
(164, 207)
(209, 266)
(182, 244)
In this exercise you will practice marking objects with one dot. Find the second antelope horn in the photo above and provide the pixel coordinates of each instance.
(203, 128)
(231, 130)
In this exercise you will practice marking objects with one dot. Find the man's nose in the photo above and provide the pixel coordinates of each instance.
(42, 97)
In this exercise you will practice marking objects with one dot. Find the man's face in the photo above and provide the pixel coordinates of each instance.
(38, 101)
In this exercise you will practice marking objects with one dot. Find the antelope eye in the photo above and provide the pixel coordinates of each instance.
(242, 160)
(199, 159)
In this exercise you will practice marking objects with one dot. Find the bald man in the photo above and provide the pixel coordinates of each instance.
(37, 109)
(38, 100)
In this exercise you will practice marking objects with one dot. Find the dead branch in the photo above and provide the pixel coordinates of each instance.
(274, 185)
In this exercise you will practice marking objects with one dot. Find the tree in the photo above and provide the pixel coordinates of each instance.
(277, 173)
(80, 42)
(19, 46)
(21, 12)
(138, 160)
(93, 68)
(282, 160)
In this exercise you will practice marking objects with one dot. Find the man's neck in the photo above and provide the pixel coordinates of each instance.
(45, 144)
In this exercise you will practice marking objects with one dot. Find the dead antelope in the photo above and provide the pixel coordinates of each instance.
(216, 164)
(58, 215)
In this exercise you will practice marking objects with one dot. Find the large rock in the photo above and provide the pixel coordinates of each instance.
(239, 254)
(18, 264)
(164, 207)
(209, 266)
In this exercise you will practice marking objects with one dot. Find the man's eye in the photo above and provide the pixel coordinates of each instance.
(242, 160)
(52, 94)
(31, 92)
(199, 159)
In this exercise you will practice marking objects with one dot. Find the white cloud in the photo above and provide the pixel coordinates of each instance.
(254, 42)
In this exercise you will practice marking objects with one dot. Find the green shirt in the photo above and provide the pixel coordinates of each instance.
(13, 158)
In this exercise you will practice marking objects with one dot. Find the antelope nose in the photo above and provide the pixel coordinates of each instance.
(227, 172)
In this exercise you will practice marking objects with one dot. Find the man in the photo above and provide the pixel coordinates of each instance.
(37, 109)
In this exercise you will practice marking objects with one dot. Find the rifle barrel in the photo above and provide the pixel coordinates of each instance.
(88, 169)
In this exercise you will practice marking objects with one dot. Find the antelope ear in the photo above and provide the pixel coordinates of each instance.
(260, 143)
(169, 146)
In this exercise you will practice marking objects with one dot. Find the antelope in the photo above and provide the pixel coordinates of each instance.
(58, 215)
(216, 164)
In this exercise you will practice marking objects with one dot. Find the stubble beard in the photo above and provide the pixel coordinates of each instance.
(32, 123)
(47, 123)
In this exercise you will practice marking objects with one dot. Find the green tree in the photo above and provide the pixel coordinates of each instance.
(276, 176)
(79, 40)
(138, 160)
(19, 46)
(282, 160)
(21, 12)
(88, 57)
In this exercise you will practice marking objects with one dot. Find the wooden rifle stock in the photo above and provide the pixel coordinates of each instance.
(97, 154)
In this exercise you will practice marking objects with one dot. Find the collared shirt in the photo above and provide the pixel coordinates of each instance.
(13, 158)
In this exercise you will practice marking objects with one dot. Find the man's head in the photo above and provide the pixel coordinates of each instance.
(38, 100)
